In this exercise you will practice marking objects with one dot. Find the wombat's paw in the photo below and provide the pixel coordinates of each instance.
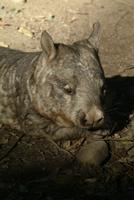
(93, 153)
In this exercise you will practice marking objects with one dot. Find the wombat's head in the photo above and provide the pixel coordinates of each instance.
(69, 82)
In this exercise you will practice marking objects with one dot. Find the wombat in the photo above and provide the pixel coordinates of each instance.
(57, 92)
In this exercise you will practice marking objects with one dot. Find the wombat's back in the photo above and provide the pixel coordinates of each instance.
(10, 57)
(11, 63)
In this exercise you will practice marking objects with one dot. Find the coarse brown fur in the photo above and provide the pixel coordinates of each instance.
(56, 92)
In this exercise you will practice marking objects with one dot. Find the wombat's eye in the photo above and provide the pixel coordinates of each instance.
(68, 90)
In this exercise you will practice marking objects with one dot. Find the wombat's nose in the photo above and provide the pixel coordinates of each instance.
(94, 118)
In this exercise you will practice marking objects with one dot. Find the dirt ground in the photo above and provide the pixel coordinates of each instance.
(34, 168)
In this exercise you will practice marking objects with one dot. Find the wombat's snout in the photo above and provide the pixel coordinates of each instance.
(92, 119)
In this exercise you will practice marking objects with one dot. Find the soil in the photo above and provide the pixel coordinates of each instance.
(35, 168)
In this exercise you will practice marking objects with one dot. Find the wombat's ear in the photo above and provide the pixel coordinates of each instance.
(47, 45)
(95, 35)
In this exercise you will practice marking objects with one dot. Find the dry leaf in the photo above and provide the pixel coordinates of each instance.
(19, 1)
(25, 31)
(2, 44)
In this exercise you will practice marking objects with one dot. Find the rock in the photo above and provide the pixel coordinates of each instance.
(93, 153)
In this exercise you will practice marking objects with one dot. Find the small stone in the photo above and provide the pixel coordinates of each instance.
(19, 11)
(50, 17)
(2, 7)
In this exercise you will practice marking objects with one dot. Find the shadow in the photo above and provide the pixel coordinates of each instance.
(34, 184)
(119, 101)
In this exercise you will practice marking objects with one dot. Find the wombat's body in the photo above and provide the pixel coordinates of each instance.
(14, 68)
(56, 92)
